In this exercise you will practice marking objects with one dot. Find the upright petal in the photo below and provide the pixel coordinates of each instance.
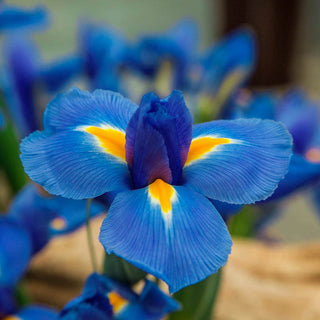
(15, 251)
(158, 138)
(81, 152)
(239, 161)
(174, 233)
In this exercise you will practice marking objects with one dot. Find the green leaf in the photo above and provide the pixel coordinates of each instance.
(198, 300)
(243, 223)
(9, 158)
(121, 270)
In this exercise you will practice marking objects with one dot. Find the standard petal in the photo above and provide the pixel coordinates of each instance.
(239, 161)
(74, 163)
(76, 108)
(172, 232)
(15, 251)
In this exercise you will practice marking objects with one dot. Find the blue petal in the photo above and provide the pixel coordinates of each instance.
(93, 303)
(38, 313)
(76, 108)
(2, 121)
(68, 160)
(15, 251)
(54, 215)
(246, 169)
(158, 138)
(57, 74)
(300, 116)
(254, 105)
(153, 304)
(27, 208)
(7, 301)
(234, 54)
(301, 172)
(21, 69)
(12, 17)
(104, 52)
(180, 246)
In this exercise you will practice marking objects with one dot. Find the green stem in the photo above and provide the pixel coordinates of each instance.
(89, 236)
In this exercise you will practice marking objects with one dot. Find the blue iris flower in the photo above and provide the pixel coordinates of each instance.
(25, 76)
(104, 53)
(16, 18)
(178, 45)
(54, 215)
(163, 170)
(103, 299)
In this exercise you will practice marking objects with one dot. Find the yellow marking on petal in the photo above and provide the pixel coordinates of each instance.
(201, 146)
(313, 155)
(11, 318)
(117, 301)
(162, 193)
(58, 223)
(111, 139)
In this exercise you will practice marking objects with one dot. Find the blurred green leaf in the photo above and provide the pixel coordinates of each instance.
(198, 300)
(243, 223)
(9, 158)
(121, 270)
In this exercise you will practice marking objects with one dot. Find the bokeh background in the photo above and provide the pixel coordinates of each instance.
(288, 51)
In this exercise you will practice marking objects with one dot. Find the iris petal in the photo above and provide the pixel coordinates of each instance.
(79, 154)
(247, 168)
(181, 243)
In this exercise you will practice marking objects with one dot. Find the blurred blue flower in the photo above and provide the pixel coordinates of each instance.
(178, 45)
(103, 299)
(15, 251)
(163, 169)
(16, 18)
(104, 54)
(54, 215)
(222, 70)
(25, 80)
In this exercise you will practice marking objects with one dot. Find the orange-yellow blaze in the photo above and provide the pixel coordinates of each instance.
(112, 140)
(313, 155)
(162, 192)
(200, 146)
(58, 223)
(11, 318)
(116, 301)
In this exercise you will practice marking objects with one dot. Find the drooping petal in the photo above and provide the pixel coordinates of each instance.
(54, 215)
(301, 173)
(239, 161)
(35, 313)
(7, 301)
(15, 251)
(172, 232)
(81, 153)
(226, 210)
